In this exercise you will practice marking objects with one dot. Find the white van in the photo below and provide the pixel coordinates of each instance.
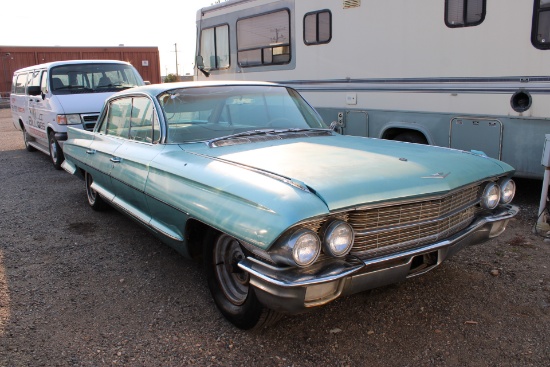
(46, 98)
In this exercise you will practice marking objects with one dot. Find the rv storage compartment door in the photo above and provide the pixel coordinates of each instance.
(469, 133)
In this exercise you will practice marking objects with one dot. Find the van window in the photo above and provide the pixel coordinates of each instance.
(215, 47)
(464, 13)
(92, 78)
(44, 82)
(264, 39)
(21, 83)
(317, 27)
(34, 78)
(540, 34)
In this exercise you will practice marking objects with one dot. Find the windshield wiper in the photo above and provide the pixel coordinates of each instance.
(71, 87)
(241, 134)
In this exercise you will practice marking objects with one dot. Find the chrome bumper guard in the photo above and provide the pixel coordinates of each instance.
(293, 290)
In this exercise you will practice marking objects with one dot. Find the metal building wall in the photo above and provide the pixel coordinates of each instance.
(145, 59)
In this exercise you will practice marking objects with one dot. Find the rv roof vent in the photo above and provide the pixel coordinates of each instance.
(352, 4)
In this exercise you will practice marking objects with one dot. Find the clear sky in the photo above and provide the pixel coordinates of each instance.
(106, 23)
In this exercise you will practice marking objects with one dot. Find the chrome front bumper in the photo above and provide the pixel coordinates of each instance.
(293, 290)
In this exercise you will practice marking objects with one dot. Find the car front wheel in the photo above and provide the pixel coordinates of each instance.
(94, 199)
(56, 154)
(230, 286)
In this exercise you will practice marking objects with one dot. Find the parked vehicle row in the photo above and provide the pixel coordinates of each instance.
(47, 98)
(287, 214)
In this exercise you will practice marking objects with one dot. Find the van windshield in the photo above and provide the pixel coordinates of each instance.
(92, 78)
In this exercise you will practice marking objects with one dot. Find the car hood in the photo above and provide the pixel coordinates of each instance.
(346, 171)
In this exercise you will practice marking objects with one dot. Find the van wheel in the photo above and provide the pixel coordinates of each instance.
(26, 138)
(94, 199)
(229, 285)
(411, 137)
(56, 154)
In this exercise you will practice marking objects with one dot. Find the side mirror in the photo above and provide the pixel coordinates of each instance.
(34, 90)
(199, 62)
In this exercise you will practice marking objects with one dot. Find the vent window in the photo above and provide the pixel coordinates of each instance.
(464, 13)
(540, 34)
(352, 4)
(317, 27)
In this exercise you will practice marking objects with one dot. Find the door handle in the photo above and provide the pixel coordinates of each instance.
(90, 151)
(116, 160)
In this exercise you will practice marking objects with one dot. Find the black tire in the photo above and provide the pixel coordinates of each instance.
(94, 199)
(411, 137)
(56, 154)
(229, 285)
(26, 138)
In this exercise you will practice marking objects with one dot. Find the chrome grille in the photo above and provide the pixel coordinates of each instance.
(399, 227)
(89, 121)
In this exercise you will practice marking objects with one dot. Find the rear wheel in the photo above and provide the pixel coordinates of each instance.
(94, 199)
(56, 154)
(411, 137)
(230, 286)
(26, 138)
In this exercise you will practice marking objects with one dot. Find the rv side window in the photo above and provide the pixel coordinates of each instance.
(318, 27)
(464, 13)
(21, 83)
(264, 39)
(540, 36)
(215, 47)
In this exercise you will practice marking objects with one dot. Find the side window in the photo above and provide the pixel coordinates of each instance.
(264, 39)
(464, 13)
(540, 34)
(215, 47)
(318, 27)
(143, 124)
(34, 78)
(118, 117)
(44, 82)
(21, 83)
(13, 83)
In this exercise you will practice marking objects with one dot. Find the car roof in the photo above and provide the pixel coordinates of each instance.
(156, 89)
(71, 62)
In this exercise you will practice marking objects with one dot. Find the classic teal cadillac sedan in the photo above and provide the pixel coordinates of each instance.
(286, 213)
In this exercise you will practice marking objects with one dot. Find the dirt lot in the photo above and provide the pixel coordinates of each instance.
(83, 288)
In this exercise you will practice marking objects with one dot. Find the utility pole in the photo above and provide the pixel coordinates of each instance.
(176, 51)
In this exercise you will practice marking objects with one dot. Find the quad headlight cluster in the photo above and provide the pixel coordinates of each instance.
(303, 246)
(495, 193)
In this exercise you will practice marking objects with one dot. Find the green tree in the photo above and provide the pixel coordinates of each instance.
(170, 78)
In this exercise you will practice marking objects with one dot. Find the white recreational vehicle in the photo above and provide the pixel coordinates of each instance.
(466, 74)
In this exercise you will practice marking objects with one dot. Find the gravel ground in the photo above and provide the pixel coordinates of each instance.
(82, 288)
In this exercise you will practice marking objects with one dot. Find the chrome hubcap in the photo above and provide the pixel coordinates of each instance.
(233, 281)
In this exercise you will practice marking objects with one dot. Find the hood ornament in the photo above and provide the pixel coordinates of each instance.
(439, 175)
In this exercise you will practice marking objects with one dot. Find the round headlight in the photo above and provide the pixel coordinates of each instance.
(491, 196)
(306, 248)
(507, 190)
(337, 238)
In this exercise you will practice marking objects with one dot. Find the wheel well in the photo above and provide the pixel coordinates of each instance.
(196, 232)
(415, 135)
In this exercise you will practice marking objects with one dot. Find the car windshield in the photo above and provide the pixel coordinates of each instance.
(92, 78)
(212, 112)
